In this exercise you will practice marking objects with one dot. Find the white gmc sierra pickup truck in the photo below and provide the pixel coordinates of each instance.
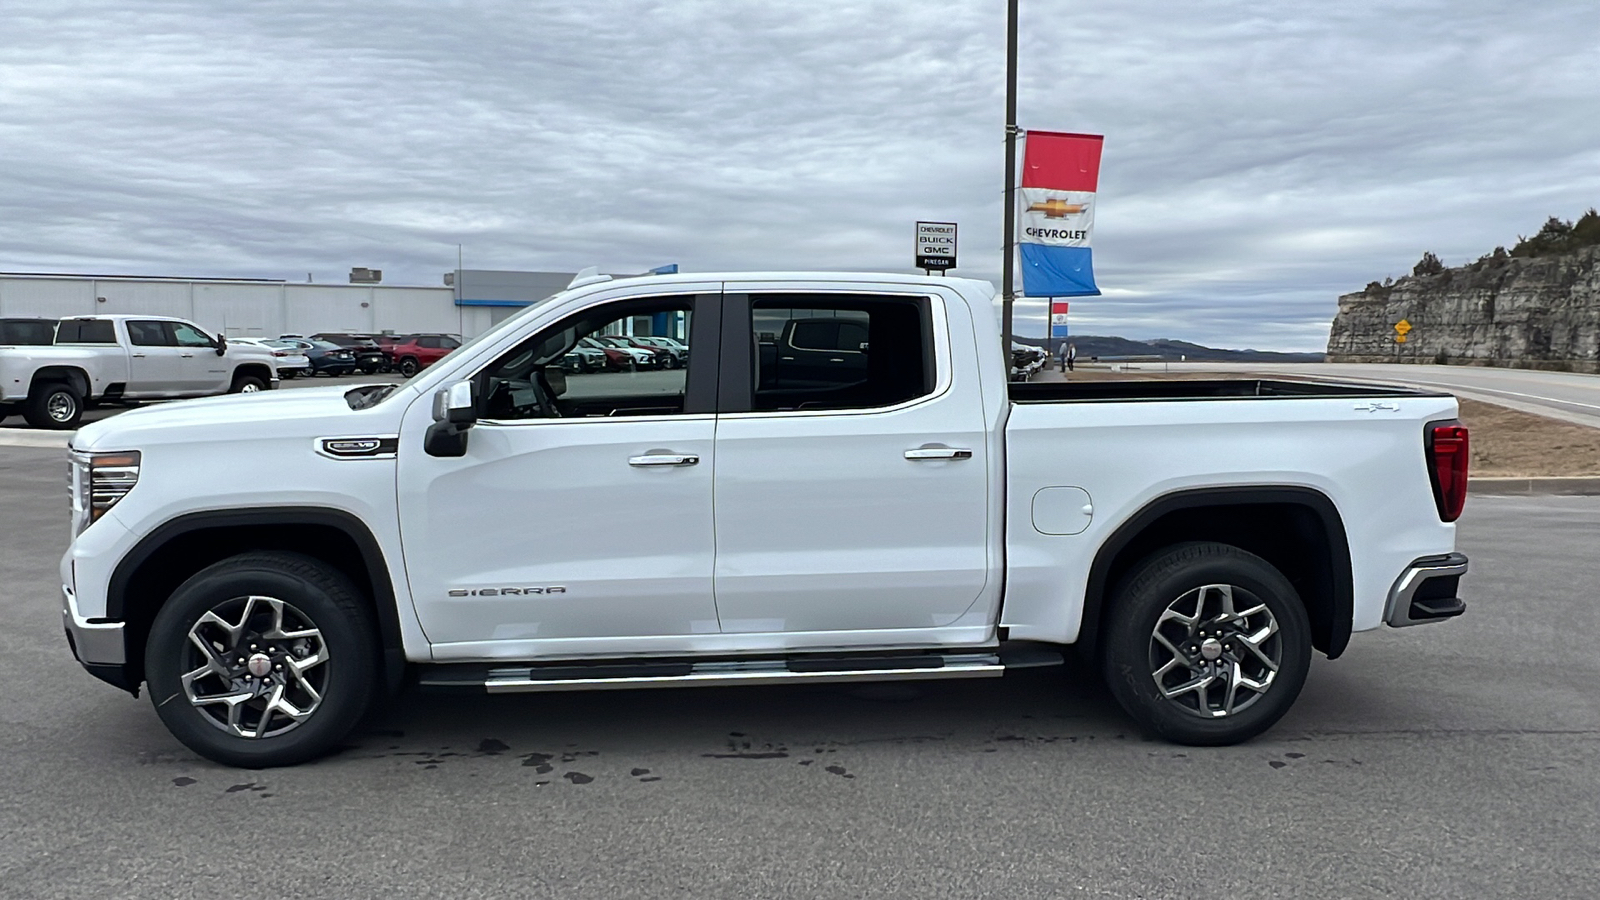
(841, 484)
(109, 359)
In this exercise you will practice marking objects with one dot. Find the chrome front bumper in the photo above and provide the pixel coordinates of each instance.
(1426, 591)
(94, 643)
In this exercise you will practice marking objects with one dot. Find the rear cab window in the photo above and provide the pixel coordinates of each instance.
(86, 331)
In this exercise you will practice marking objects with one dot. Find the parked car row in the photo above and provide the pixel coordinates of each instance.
(625, 353)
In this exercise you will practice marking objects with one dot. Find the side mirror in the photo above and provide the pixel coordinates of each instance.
(456, 404)
(455, 410)
(222, 345)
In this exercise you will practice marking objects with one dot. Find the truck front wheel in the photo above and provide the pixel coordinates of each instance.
(1206, 644)
(56, 405)
(263, 659)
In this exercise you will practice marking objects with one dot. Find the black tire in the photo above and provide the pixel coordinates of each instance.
(247, 384)
(409, 367)
(315, 596)
(288, 374)
(55, 405)
(1186, 579)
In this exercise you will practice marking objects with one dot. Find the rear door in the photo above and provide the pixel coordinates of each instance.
(850, 496)
(155, 364)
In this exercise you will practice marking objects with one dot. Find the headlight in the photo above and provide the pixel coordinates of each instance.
(98, 481)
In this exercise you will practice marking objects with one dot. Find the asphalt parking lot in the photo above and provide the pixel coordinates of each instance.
(1456, 760)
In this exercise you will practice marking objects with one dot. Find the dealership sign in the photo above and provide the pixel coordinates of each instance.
(936, 245)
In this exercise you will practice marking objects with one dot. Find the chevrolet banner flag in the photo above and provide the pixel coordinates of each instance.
(1055, 211)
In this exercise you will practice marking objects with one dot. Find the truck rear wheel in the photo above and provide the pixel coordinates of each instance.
(55, 405)
(1206, 644)
(263, 659)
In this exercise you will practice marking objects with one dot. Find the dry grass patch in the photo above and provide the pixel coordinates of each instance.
(1508, 442)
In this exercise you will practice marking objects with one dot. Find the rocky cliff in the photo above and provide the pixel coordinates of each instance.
(1542, 313)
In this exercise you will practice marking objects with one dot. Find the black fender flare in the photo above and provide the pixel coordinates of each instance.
(383, 597)
(1343, 593)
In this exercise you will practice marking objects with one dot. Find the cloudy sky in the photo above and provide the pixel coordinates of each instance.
(1260, 158)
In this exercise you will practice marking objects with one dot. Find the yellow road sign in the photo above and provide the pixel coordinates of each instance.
(1399, 339)
(1401, 327)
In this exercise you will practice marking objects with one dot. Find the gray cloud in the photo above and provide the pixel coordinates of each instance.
(1261, 158)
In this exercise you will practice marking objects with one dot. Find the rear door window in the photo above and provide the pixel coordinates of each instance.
(837, 352)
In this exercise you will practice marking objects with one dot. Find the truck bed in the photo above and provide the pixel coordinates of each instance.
(1201, 389)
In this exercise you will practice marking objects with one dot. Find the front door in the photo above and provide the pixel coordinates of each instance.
(852, 495)
(202, 370)
(581, 512)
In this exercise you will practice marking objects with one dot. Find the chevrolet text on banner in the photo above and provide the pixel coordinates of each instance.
(1055, 206)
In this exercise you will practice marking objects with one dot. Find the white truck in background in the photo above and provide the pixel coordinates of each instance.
(841, 484)
(109, 359)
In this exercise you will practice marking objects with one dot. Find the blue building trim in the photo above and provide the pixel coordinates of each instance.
(464, 301)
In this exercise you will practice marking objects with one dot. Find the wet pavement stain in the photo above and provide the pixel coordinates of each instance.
(577, 777)
(838, 770)
(248, 786)
(1277, 763)
(540, 762)
(637, 772)
(184, 781)
(492, 747)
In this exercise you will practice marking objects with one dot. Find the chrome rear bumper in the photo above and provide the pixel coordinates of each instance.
(1426, 591)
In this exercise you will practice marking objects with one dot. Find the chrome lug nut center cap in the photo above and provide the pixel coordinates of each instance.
(1210, 649)
(259, 664)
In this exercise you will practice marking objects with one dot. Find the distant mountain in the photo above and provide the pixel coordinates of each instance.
(1106, 347)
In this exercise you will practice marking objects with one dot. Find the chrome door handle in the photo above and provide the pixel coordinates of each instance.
(136, 355)
(939, 453)
(664, 459)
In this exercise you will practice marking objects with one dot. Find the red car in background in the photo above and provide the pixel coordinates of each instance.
(416, 352)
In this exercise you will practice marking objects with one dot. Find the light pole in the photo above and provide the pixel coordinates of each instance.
(1007, 267)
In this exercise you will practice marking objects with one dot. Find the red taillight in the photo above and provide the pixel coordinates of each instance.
(1448, 454)
(280, 353)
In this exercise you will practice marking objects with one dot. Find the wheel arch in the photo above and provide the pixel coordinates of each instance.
(1279, 524)
(177, 549)
(72, 375)
(258, 369)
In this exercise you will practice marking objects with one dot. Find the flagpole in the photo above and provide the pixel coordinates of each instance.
(1008, 244)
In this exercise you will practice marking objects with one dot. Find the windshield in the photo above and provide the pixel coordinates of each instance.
(325, 345)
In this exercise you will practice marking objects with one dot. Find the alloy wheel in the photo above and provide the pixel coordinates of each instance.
(256, 667)
(1215, 651)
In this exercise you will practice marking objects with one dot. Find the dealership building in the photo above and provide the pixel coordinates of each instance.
(468, 303)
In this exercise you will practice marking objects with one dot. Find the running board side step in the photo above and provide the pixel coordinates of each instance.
(601, 676)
